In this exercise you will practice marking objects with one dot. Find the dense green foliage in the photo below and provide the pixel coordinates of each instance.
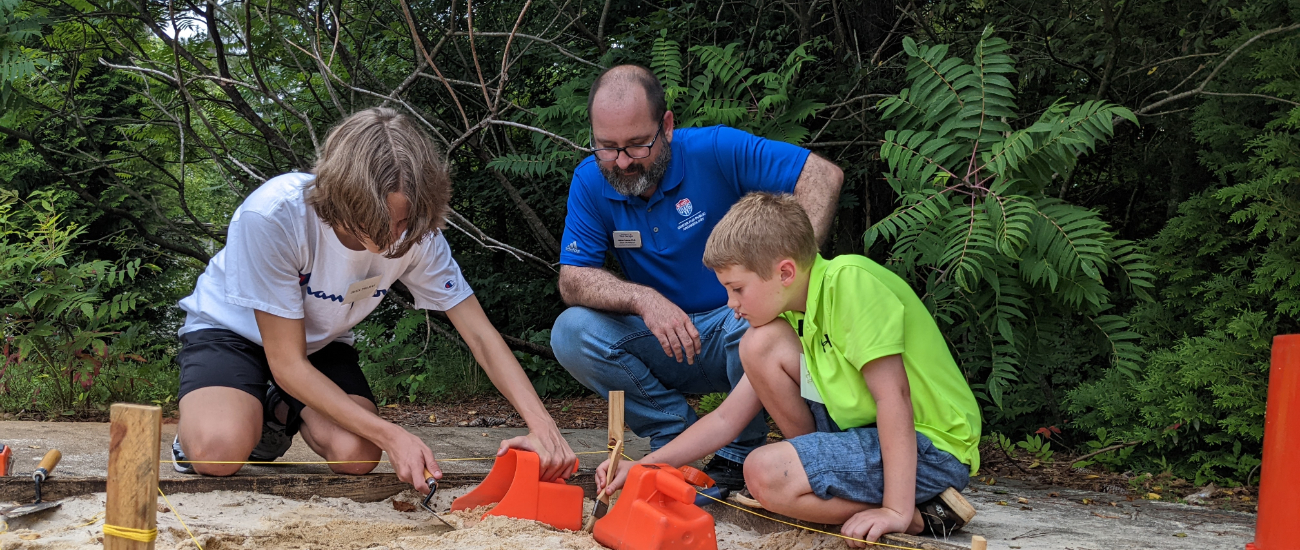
(1118, 280)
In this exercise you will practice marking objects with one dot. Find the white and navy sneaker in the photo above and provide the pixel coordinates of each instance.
(274, 442)
(179, 462)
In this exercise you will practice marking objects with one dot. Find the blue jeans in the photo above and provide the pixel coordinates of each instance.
(608, 352)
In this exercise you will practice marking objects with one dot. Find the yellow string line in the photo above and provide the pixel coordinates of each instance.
(178, 518)
(138, 535)
(93, 520)
(286, 463)
(796, 525)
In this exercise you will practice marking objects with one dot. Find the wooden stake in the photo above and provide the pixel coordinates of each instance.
(978, 543)
(133, 449)
(615, 442)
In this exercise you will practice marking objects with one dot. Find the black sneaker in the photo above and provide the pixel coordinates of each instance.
(274, 442)
(946, 513)
(178, 458)
(726, 474)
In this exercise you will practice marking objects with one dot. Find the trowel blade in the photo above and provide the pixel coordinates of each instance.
(26, 509)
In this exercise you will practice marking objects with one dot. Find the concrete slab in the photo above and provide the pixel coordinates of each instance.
(85, 448)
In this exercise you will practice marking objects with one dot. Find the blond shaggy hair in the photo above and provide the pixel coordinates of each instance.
(760, 230)
(366, 157)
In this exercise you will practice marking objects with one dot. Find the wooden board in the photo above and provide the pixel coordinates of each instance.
(366, 488)
(726, 514)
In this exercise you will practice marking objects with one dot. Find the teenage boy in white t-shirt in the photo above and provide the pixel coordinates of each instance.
(266, 349)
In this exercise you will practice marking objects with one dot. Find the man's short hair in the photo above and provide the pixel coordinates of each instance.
(759, 230)
(625, 74)
(369, 155)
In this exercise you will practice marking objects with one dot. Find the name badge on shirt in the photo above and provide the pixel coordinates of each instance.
(807, 389)
(627, 239)
(362, 289)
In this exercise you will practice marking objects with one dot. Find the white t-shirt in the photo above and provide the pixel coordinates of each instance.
(280, 258)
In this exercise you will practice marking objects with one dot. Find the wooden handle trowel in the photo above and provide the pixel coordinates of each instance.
(43, 471)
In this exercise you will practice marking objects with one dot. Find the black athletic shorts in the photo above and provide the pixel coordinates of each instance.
(221, 358)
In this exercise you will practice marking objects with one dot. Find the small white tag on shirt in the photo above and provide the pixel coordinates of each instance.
(362, 289)
(807, 389)
(627, 239)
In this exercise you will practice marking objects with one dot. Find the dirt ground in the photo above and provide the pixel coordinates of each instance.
(225, 520)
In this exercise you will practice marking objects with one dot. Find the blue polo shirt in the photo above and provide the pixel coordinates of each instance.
(711, 169)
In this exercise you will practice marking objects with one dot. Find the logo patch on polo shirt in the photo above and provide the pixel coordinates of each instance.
(684, 207)
(573, 248)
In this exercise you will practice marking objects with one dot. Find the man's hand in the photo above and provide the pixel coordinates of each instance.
(871, 524)
(672, 327)
(556, 458)
(410, 458)
(619, 479)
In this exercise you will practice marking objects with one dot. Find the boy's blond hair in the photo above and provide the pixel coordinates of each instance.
(759, 230)
(366, 157)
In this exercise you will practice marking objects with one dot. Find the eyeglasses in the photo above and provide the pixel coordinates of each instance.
(632, 151)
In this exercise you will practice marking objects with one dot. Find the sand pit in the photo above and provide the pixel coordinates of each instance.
(225, 520)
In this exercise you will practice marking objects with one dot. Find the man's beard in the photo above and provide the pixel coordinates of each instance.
(638, 178)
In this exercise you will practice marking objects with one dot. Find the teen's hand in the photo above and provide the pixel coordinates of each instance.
(672, 327)
(410, 458)
(871, 524)
(619, 478)
(553, 452)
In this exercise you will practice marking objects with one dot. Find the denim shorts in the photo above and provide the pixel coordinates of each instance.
(847, 463)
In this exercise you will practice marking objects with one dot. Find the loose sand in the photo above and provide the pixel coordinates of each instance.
(226, 520)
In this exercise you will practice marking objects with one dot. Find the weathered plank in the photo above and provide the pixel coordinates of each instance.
(727, 514)
(366, 488)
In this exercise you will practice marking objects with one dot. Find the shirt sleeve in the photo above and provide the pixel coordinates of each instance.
(867, 317)
(261, 266)
(434, 278)
(585, 237)
(758, 164)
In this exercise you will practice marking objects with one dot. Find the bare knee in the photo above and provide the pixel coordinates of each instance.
(202, 447)
(770, 474)
(770, 350)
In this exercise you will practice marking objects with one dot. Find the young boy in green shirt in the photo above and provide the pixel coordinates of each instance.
(879, 422)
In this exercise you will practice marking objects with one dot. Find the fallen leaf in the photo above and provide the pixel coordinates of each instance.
(1153, 496)
(1002, 503)
(433, 418)
(991, 481)
(1022, 500)
(163, 509)
(1181, 535)
(30, 536)
(473, 412)
(462, 423)
(1103, 516)
(1025, 508)
(1093, 476)
(34, 447)
(393, 406)
(1114, 504)
(403, 506)
(484, 434)
(1053, 495)
(1035, 464)
(1087, 501)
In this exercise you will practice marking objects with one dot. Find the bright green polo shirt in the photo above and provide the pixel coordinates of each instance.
(859, 311)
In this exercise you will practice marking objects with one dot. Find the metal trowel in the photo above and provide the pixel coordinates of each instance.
(433, 488)
(43, 471)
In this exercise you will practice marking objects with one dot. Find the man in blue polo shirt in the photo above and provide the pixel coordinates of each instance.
(652, 195)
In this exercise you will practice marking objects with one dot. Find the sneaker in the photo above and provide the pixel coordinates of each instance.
(274, 442)
(726, 474)
(178, 458)
(946, 514)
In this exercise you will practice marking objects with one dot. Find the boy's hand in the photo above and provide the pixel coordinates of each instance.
(871, 524)
(619, 479)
